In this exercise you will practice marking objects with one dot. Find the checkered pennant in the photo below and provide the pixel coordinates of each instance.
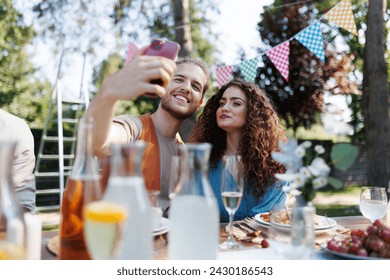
(248, 69)
(342, 15)
(311, 38)
(280, 58)
(224, 74)
(131, 51)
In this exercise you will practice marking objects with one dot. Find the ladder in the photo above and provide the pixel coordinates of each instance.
(57, 147)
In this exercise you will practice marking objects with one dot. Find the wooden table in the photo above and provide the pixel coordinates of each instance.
(160, 242)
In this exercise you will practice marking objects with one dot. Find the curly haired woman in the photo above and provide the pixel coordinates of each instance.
(240, 119)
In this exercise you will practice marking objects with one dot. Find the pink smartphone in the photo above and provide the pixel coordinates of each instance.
(161, 47)
(164, 48)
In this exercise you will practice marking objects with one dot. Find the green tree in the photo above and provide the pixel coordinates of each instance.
(21, 93)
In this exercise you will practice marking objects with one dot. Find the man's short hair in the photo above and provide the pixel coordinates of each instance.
(201, 65)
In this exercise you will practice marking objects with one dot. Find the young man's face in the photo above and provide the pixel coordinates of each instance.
(184, 93)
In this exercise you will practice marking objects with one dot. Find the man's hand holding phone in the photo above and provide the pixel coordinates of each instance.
(160, 47)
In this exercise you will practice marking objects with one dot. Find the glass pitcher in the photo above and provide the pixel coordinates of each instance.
(126, 186)
(194, 215)
(83, 186)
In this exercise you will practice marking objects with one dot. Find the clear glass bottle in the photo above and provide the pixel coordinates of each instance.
(126, 186)
(302, 229)
(12, 225)
(83, 186)
(194, 232)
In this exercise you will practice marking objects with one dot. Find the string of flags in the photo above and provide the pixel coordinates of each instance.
(311, 37)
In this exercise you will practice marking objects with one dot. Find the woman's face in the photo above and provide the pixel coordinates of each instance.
(232, 109)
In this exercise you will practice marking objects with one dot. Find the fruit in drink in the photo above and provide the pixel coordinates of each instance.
(104, 223)
(10, 251)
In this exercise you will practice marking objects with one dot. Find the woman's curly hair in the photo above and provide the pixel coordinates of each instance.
(260, 136)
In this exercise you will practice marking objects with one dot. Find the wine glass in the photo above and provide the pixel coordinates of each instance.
(373, 202)
(232, 185)
(104, 223)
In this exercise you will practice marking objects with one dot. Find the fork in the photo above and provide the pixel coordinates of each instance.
(251, 222)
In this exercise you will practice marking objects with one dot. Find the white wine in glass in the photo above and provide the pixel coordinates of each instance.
(232, 185)
(373, 202)
(103, 228)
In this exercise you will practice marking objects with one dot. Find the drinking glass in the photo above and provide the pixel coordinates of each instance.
(104, 223)
(373, 202)
(174, 176)
(232, 185)
(155, 204)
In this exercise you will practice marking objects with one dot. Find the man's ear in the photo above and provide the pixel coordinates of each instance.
(200, 104)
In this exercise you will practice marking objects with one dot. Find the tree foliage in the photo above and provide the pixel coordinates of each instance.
(21, 93)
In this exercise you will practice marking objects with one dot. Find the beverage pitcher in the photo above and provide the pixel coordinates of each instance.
(194, 215)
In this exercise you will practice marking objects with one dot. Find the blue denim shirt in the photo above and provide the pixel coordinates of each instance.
(250, 205)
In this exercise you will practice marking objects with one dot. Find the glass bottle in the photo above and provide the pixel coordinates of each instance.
(83, 186)
(302, 229)
(12, 225)
(126, 186)
(194, 215)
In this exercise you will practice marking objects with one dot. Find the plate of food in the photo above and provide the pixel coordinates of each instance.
(282, 219)
(371, 243)
(348, 256)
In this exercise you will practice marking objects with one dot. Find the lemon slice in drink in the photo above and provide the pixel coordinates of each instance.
(9, 251)
(105, 212)
(104, 225)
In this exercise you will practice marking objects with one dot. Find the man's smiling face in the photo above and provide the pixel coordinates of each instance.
(184, 93)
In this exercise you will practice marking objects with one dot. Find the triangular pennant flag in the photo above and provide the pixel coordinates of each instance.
(248, 69)
(280, 58)
(224, 74)
(311, 38)
(131, 51)
(342, 15)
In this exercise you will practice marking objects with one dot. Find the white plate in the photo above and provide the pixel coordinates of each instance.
(163, 228)
(327, 223)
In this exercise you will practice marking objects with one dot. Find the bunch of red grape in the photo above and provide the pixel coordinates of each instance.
(373, 242)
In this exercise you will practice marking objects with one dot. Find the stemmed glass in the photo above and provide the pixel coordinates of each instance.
(373, 202)
(232, 185)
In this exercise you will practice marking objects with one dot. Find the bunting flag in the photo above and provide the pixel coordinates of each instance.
(131, 51)
(224, 74)
(248, 69)
(311, 38)
(280, 58)
(342, 15)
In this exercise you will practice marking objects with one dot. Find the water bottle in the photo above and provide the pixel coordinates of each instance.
(194, 232)
(126, 186)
